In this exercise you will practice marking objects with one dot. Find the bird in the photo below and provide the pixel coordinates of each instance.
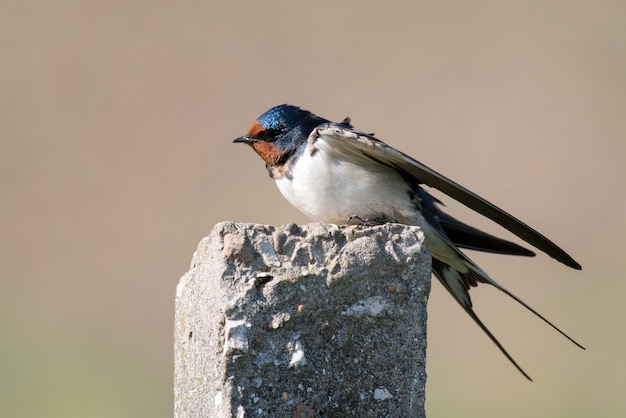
(336, 174)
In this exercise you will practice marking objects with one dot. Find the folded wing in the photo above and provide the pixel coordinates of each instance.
(354, 141)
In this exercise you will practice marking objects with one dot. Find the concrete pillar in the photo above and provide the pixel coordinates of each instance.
(303, 321)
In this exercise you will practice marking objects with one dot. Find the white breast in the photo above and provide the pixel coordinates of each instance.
(329, 186)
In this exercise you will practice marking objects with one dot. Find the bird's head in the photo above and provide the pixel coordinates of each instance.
(278, 133)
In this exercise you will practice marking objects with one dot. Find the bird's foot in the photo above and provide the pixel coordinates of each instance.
(357, 220)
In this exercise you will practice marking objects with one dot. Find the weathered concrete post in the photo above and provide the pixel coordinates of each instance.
(303, 321)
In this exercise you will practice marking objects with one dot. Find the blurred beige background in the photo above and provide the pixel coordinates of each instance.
(116, 121)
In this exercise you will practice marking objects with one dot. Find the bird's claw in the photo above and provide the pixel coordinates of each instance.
(357, 220)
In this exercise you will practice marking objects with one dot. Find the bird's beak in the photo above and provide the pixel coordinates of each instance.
(244, 139)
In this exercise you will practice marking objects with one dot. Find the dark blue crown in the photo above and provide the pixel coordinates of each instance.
(283, 116)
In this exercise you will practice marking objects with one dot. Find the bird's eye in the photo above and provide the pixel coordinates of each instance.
(267, 134)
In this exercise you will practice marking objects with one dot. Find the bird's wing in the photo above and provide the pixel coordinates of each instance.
(466, 236)
(353, 141)
(463, 235)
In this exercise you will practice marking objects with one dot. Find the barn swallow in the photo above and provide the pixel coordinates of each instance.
(334, 173)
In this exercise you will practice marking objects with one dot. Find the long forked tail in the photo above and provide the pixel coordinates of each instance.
(458, 284)
(452, 281)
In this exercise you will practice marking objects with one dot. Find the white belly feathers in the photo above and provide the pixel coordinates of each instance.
(330, 187)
